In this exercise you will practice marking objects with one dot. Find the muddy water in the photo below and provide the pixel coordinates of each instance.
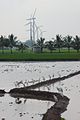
(73, 91)
(10, 72)
(27, 109)
(71, 88)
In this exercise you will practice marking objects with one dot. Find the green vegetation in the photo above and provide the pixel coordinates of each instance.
(45, 56)
(57, 49)
(62, 119)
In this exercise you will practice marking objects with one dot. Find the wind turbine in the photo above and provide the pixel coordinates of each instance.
(37, 30)
(31, 36)
(42, 33)
(30, 23)
(32, 27)
(33, 19)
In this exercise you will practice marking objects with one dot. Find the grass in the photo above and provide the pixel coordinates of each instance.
(45, 56)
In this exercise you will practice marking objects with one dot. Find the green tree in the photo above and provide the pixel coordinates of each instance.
(68, 42)
(2, 43)
(58, 42)
(77, 43)
(6, 42)
(40, 43)
(21, 47)
(50, 45)
(12, 41)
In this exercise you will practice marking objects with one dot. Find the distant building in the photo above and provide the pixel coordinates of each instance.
(36, 48)
(29, 43)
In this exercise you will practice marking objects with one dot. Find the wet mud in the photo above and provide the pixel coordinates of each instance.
(52, 81)
(61, 103)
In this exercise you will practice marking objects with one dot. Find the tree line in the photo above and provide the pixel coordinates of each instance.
(58, 42)
(11, 42)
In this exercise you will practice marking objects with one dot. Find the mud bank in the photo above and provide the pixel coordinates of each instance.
(41, 95)
(54, 113)
(51, 81)
(2, 91)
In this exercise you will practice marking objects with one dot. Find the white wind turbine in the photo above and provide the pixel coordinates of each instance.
(42, 33)
(37, 30)
(30, 23)
(30, 30)
(33, 26)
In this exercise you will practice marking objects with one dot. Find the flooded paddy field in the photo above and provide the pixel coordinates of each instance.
(13, 72)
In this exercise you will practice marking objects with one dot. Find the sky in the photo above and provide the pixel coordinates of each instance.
(55, 17)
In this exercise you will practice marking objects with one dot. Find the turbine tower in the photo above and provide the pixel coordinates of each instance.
(41, 34)
(32, 26)
(37, 30)
(30, 30)
(33, 19)
(34, 29)
(30, 23)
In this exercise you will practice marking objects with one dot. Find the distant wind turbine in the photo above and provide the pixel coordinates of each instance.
(33, 19)
(30, 23)
(37, 30)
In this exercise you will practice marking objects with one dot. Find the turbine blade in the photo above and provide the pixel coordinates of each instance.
(34, 12)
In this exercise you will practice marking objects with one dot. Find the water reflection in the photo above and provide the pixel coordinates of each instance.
(22, 109)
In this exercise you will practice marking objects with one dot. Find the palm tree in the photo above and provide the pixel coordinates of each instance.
(68, 41)
(40, 43)
(6, 42)
(21, 46)
(12, 41)
(77, 43)
(58, 42)
(50, 45)
(2, 43)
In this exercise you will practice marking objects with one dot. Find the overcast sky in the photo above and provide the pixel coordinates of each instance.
(56, 16)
